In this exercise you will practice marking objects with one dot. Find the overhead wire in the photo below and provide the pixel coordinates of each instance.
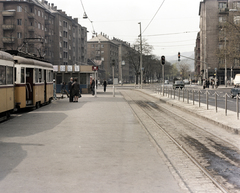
(88, 17)
(153, 16)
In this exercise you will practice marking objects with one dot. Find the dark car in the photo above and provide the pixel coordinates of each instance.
(178, 84)
(235, 91)
(110, 81)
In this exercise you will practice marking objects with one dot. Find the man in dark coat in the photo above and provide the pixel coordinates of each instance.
(104, 85)
(70, 90)
(93, 87)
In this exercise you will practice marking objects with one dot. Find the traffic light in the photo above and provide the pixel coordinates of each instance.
(163, 60)
(179, 56)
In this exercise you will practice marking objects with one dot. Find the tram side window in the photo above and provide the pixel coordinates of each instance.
(22, 75)
(51, 76)
(9, 75)
(48, 75)
(40, 75)
(2, 75)
(36, 75)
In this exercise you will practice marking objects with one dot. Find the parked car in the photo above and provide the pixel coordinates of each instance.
(178, 84)
(186, 81)
(235, 91)
(166, 82)
(110, 81)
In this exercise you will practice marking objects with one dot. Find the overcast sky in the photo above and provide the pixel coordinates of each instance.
(174, 28)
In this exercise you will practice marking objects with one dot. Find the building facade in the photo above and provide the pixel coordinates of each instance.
(39, 28)
(101, 48)
(103, 51)
(216, 18)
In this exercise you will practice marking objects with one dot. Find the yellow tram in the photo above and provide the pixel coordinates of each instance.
(33, 82)
(6, 84)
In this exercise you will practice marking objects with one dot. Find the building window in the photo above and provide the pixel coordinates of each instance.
(236, 5)
(222, 5)
(65, 55)
(39, 26)
(236, 19)
(236, 62)
(19, 35)
(19, 9)
(19, 21)
(60, 23)
(222, 19)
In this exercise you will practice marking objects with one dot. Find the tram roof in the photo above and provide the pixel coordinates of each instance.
(6, 56)
(28, 61)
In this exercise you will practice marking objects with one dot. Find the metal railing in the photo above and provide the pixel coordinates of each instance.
(190, 93)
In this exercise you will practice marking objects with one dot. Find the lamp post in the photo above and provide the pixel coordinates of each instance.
(123, 64)
(141, 54)
(113, 64)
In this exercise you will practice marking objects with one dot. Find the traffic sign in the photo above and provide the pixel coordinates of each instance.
(94, 68)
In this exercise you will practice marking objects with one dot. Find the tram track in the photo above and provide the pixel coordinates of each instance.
(216, 158)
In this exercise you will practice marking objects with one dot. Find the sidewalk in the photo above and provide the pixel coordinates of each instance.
(229, 122)
(96, 145)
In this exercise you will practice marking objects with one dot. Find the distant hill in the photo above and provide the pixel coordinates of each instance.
(174, 59)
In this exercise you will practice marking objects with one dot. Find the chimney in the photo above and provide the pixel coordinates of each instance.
(52, 5)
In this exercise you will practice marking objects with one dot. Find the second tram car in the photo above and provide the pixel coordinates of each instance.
(33, 82)
(6, 85)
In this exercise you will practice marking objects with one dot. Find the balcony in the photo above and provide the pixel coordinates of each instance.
(8, 13)
(223, 10)
(31, 28)
(31, 15)
(8, 27)
(8, 40)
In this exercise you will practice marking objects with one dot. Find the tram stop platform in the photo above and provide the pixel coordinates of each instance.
(96, 145)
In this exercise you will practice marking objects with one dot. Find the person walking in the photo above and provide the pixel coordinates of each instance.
(75, 90)
(104, 85)
(70, 89)
(93, 87)
(54, 90)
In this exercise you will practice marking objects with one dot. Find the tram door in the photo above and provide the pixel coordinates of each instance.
(45, 86)
(29, 86)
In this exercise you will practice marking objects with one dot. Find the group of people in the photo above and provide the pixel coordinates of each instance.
(206, 83)
(73, 90)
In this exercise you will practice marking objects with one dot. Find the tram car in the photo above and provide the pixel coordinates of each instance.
(33, 81)
(26, 81)
(6, 85)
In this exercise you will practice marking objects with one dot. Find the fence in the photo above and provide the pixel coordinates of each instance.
(196, 96)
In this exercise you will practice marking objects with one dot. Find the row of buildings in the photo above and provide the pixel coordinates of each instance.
(40, 28)
(217, 50)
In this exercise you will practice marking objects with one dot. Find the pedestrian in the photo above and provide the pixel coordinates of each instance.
(212, 83)
(93, 87)
(70, 90)
(63, 89)
(75, 90)
(204, 83)
(54, 90)
(104, 85)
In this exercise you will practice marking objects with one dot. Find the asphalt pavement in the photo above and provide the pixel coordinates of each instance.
(95, 145)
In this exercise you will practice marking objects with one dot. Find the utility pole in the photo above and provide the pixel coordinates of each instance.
(141, 54)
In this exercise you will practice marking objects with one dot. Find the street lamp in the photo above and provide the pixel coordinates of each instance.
(141, 53)
(123, 64)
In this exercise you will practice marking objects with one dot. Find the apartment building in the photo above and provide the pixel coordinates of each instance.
(40, 28)
(216, 58)
(101, 48)
(126, 73)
